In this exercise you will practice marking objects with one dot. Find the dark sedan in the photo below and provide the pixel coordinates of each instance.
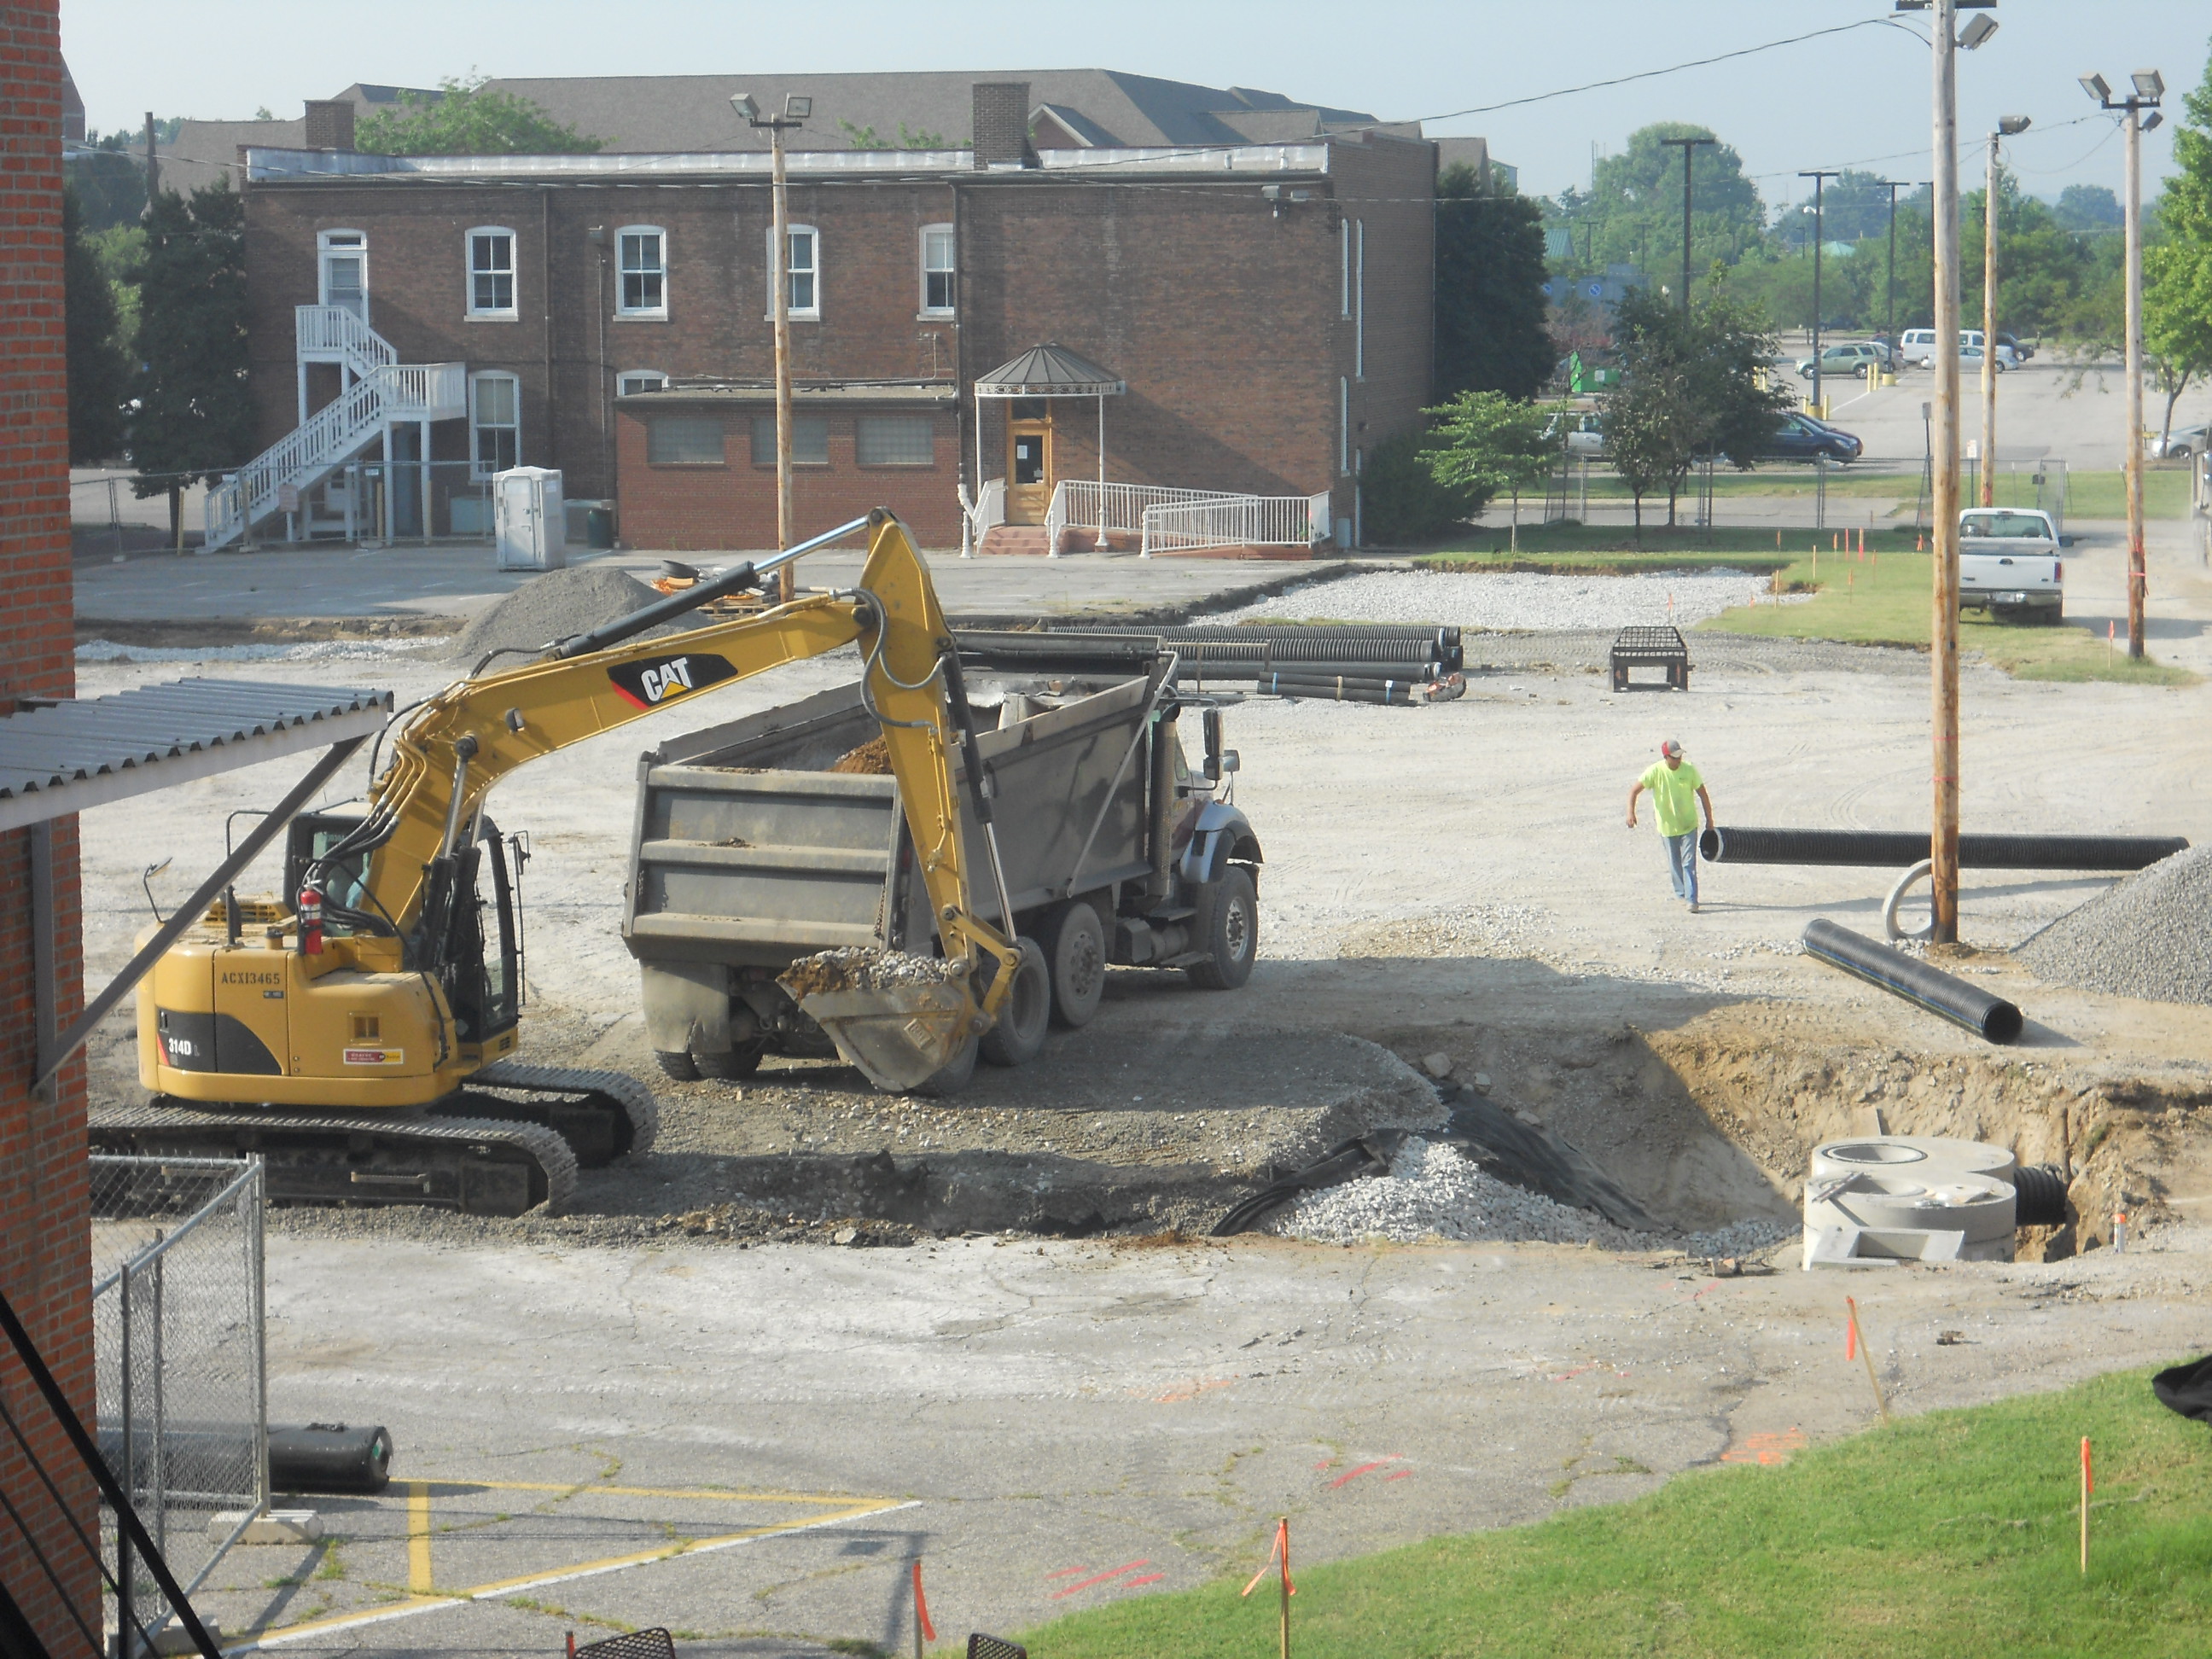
(1801, 438)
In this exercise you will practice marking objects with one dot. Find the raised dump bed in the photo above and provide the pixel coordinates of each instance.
(768, 839)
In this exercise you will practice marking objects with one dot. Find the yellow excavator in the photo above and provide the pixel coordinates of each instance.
(359, 1034)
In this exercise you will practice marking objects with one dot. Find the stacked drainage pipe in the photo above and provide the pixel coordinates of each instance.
(1892, 848)
(1988, 1017)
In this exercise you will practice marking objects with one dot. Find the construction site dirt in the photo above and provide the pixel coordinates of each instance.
(1446, 890)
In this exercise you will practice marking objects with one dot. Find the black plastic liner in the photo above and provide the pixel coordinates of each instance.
(1989, 1017)
(1898, 848)
(329, 1457)
(202, 1456)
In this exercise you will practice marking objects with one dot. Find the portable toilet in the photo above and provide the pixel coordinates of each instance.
(529, 524)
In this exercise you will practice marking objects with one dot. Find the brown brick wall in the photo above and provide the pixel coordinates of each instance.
(1218, 307)
(44, 1252)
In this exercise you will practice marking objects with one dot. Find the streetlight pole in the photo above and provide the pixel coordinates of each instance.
(2007, 126)
(2149, 88)
(796, 108)
(1689, 148)
(1943, 839)
(1819, 178)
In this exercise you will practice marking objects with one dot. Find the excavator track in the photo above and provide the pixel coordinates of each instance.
(601, 1115)
(477, 1166)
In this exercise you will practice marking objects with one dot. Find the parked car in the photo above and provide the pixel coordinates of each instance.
(1854, 357)
(2009, 564)
(1583, 432)
(1917, 345)
(2021, 350)
(1802, 438)
(1969, 359)
(2182, 441)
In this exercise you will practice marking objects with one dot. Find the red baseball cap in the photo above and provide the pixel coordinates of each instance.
(1670, 748)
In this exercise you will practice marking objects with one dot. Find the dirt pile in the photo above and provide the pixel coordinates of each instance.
(2149, 936)
(873, 759)
(855, 968)
(552, 607)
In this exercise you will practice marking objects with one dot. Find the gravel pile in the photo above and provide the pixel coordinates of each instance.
(1513, 601)
(553, 607)
(305, 651)
(1434, 1192)
(2150, 936)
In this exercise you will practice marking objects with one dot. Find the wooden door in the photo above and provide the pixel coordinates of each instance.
(1028, 469)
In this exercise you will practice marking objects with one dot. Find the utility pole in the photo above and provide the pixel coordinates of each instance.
(1688, 148)
(796, 109)
(153, 163)
(2007, 126)
(2149, 88)
(1943, 839)
(1889, 305)
(1819, 177)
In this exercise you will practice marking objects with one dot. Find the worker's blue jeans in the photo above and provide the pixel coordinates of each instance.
(1682, 865)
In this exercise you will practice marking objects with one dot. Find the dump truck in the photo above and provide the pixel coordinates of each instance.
(767, 839)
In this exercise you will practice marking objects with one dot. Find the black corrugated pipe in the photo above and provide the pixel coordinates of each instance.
(1396, 694)
(1321, 642)
(1891, 847)
(1939, 993)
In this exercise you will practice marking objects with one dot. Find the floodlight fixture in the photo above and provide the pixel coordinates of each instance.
(2097, 86)
(797, 106)
(1978, 29)
(2153, 119)
(2009, 125)
(748, 110)
(2150, 85)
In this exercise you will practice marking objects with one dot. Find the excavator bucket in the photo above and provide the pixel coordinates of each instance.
(900, 1019)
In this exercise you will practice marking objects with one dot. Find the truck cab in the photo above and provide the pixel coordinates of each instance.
(2009, 564)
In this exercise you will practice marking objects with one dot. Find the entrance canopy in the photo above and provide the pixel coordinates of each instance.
(1049, 371)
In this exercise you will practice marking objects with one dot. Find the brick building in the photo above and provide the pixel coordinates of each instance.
(45, 1266)
(1264, 304)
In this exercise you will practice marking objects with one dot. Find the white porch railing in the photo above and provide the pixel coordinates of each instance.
(332, 435)
(331, 334)
(1235, 521)
(979, 516)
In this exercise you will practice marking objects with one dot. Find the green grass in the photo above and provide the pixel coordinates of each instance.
(2088, 494)
(1568, 547)
(1954, 1532)
(1885, 601)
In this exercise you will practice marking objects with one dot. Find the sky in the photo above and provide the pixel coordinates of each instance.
(1857, 98)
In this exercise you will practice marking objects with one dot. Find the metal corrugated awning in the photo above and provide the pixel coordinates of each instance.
(1049, 371)
(68, 756)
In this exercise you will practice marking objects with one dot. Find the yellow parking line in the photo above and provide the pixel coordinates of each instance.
(418, 1538)
(722, 1494)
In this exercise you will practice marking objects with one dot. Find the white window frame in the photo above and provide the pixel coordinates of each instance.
(926, 309)
(325, 245)
(798, 314)
(639, 313)
(1360, 302)
(1343, 427)
(508, 313)
(623, 389)
(476, 469)
(1344, 268)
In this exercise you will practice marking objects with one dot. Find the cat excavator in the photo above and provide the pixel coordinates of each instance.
(360, 1034)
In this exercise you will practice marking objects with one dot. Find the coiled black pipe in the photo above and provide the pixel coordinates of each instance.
(1897, 847)
(1939, 993)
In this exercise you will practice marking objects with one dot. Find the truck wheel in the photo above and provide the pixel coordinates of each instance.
(1228, 926)
(676, 1063)
(1075, 951)
(742, 1060)
(1023, 1018)
(956, 1075)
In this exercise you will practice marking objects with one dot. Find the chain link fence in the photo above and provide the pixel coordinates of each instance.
(180, 1352)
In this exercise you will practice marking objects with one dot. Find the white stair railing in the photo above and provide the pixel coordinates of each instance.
(333, 334)
(982, 515)
(1233, 521)
(331, 437)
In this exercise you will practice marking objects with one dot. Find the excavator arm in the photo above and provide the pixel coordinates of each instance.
(453, 751)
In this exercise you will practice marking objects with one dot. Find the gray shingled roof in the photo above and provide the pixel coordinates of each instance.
(1050, 371)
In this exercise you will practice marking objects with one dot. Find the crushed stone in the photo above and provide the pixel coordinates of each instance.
(553, 607)
(1512, 601)
(355, 650)
(2148, 936)
(856, 967)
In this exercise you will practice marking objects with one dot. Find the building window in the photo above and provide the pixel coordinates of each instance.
(644, 256)
(494, 422)
(491, 272)
(684, 440)
(895, 440)
(805, 268)
(631, 381)
(939, 271)
(810, 440)
(341, 276)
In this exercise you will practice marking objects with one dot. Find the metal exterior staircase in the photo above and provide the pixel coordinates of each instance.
(383, 391)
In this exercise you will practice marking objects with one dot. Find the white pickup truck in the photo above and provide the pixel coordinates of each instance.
(2009, 564)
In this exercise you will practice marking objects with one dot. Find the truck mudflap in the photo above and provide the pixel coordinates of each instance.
(476, 1166)
(1221, 833)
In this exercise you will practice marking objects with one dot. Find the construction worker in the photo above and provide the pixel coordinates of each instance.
(1677, 792)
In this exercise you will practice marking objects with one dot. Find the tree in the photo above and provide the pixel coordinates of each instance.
(1649, 427)
(195, 413)
(2088, 206)
(466, 117)
(1485, 444)
(866, 138)
(1490, 311)
(1633, 212)
(2178, 271)
(1401, 500)
(98, 368)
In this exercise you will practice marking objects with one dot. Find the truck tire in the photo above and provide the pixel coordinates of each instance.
(1228, 925)
(1075, 951)
(1017, 1038)
(676, 1063)
(742, 1060)
(955, 1077)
